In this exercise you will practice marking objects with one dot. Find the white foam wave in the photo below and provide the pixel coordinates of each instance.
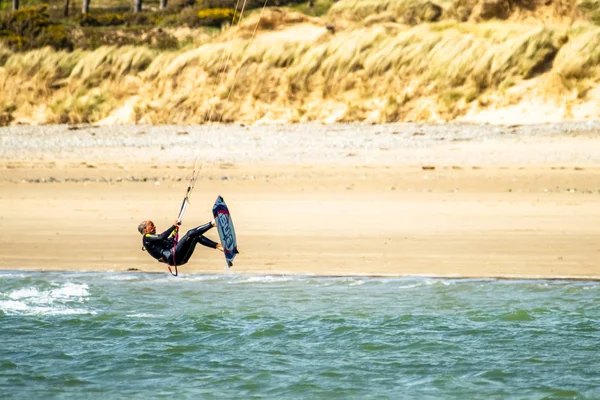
(595, 287)
(141, 315)
(122, 278)
(431, 282)
(60, 311)
(33, 301)
(410, 286)
(265, 279)
(326, 283)
(11, 307)
(201, 278)
(357, 283)
(47, 311)
(24, 293)
(12, 276)
(70, 290)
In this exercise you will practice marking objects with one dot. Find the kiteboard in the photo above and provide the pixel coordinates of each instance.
(226, 230)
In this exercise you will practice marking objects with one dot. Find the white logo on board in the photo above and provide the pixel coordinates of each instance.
(224, 225)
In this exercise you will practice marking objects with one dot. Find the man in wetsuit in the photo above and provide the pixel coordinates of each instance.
(162, 246)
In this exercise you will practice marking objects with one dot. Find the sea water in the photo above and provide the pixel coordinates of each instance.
(113, 335)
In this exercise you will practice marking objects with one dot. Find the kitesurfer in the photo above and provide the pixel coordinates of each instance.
(166, 249)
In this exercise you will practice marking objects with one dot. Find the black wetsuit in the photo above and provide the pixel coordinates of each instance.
(161, 246)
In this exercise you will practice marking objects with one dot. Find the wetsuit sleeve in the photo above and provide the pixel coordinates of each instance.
(161, 237)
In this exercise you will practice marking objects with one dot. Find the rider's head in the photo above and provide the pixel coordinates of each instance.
(147, 227)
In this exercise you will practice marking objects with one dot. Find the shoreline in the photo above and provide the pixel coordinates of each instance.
(526, 278)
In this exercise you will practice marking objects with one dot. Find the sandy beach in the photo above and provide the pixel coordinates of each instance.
(383, 200)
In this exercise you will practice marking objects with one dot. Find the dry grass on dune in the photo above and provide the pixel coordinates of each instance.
(112, 63)
(580, 57)
(5, 52)
(359, 10)
(267, 19)
(34, 78)
(453, 63)
(43, 65)
(379, 72)
(417, 11)
(78, 86)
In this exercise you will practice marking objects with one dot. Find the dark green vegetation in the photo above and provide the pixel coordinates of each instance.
(37, 25)
(30, 28)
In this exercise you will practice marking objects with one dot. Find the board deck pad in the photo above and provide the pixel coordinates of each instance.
(226, 230)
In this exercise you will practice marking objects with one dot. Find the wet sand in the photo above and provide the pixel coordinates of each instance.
(326, 213)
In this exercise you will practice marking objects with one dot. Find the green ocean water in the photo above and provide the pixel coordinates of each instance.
(108, 335)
